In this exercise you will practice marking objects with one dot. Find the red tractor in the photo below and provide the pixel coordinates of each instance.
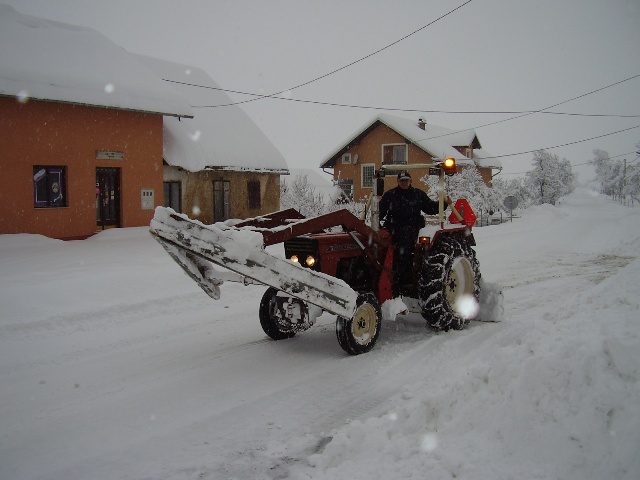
(349, 272)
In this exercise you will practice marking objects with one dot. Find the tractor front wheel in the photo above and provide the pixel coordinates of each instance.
(359, 333)
(282, 316)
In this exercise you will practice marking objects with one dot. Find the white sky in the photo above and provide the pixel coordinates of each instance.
(490, 55)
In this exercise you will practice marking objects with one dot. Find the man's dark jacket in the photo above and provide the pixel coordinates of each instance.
(402, 208)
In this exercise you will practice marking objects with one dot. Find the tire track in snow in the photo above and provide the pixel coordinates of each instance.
(563, 276)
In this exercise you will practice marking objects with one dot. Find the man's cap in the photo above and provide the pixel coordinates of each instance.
(403, 174)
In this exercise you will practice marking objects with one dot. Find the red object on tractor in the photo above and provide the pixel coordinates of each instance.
(463, 207)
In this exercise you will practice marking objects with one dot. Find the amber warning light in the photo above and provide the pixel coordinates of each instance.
(449, 165)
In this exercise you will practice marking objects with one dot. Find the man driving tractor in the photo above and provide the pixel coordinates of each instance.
(401, 208)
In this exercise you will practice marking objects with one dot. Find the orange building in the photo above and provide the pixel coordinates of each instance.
(81, 130)
(69, 170)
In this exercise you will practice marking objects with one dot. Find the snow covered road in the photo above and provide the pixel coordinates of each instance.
(115, 365)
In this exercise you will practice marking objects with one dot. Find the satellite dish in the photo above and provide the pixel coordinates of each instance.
(355, 159)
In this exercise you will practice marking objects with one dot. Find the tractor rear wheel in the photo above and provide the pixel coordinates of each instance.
(282, 316)
(359, 333)
(449, 286)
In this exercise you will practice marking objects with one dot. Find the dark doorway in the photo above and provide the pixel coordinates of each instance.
(108, 197)
(173, 195)
(221, 190)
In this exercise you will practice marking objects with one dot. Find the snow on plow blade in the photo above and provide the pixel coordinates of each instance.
(241, 251)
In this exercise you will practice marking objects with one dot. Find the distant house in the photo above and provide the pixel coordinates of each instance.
(392, 140)
(219, 164)
(81, 130)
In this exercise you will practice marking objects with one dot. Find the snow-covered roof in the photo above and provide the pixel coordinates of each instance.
(485, 160)
(47, 60)
(217, 137)
(439, 142)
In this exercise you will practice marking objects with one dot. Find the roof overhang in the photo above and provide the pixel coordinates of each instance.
(330, 162)
(106, 107)
(269, 171)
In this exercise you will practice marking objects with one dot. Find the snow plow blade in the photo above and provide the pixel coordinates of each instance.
(241, 251)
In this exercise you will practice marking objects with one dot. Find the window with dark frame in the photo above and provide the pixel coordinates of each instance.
(49, 186)
(394, 154)
(253, 188)
(173, 195)
(347, 188)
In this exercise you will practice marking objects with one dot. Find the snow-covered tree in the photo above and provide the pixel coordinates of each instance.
(467, 184)
(550, 178)
(567, 177)
(603, 166)
(618, 179)
(632, 184)
(517, 187)
(301, 194)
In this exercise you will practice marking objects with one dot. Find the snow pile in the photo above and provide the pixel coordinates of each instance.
(491, 302)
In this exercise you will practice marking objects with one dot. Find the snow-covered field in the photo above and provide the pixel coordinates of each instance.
(115, 365)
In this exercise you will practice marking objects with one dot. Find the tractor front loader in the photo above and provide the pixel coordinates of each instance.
(335, 263)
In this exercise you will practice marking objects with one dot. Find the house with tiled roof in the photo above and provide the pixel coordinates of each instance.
(388, 139)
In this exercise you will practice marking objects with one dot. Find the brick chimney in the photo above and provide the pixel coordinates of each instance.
(422, 123)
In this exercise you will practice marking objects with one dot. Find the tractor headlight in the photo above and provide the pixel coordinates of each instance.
(294, 258)
(310, 261)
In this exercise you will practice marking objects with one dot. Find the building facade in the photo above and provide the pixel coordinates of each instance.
(67, 170)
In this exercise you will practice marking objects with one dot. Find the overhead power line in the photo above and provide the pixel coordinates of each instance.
(520, 113)
(377, 51)
(574, 164)
(259, 97)
(542, 110)
(563, 144)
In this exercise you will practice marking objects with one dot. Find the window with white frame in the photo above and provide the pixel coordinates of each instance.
(367, 171)
(394, 154)
(346, 159)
